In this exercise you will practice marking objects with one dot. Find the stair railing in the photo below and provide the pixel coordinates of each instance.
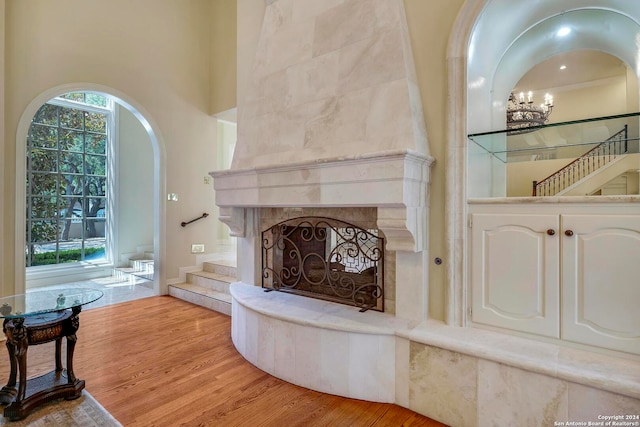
(584, 165)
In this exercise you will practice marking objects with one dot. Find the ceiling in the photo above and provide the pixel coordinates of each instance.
(582, 66)
(507, 42)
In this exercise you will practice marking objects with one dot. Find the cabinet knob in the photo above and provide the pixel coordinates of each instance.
(568, 233)
(551, 232)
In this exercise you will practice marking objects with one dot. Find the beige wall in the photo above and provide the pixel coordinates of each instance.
(632, 90)
(430, 23)
(5, 224)
(223, 55)
(601, 98)
(156, 52)
(520, 175)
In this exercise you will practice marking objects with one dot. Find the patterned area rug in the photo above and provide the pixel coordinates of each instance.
(84, 411)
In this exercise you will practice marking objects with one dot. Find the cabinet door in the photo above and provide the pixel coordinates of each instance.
(601, 281)
(515, 272)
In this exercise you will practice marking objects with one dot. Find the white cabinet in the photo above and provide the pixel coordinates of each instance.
(601, 281)
(515, 272)
(570, 276)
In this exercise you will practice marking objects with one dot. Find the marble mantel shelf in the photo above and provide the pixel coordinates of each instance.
(394, 181)
(602, 371)
(319, 162)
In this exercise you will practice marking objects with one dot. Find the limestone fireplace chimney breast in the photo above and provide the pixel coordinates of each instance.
(332, 118)
(330, 79)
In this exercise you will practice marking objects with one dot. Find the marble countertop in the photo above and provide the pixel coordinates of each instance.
(554, 200)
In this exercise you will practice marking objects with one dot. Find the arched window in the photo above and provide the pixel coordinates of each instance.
(68, 157)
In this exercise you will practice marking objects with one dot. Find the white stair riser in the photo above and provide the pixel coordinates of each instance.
(201, 300)
(146, 266)
(206, 282)
(224, 270)
(134, 278)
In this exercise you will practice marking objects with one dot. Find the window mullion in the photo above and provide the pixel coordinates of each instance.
(58, 189)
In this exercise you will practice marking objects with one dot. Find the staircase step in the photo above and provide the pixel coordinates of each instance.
(208, 288)
(146, 265)
(220, 267)
(202, 296)
(214, 281)
(133, 276)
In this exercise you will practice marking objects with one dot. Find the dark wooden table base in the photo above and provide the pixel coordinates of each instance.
(43, 389)
(22, 395)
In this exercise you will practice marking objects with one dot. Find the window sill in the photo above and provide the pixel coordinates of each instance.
(46, 275)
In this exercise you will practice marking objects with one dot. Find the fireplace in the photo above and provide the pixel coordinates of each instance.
(332, 122)
(325, 258)
(331, 127)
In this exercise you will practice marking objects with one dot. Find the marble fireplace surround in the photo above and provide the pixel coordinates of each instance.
(395, 184)
(332, 118)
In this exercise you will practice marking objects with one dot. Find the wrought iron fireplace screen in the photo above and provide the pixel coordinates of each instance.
(327, 259)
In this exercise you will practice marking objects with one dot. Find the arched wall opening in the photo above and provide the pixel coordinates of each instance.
(594, 29)
(159, 167)
(491, 46)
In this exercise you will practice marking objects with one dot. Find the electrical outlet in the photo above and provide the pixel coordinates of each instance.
(197, 249)
(208, 180)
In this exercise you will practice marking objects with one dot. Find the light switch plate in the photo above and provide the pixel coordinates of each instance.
(197, 249)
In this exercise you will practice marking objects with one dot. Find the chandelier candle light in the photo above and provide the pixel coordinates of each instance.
(522, 114)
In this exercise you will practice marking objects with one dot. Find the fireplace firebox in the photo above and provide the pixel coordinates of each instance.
(325, 258)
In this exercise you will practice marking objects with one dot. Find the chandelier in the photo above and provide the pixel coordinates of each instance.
(522, 114)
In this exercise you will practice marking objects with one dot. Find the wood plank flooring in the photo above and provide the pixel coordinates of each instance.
(161, 361)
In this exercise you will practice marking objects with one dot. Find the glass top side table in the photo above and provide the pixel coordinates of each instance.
(46, 301)
(39, 317)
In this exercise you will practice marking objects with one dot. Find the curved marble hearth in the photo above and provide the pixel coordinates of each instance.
(372, 356)
(316, 344)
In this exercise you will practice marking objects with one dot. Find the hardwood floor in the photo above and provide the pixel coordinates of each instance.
(161, 361)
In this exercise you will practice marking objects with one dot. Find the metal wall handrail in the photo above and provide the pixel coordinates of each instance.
(184, 224)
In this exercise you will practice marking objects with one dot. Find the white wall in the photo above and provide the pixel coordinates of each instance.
(134, 195)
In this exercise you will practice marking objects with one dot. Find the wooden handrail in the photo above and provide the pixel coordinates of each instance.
(591, 153)
(184, 224)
